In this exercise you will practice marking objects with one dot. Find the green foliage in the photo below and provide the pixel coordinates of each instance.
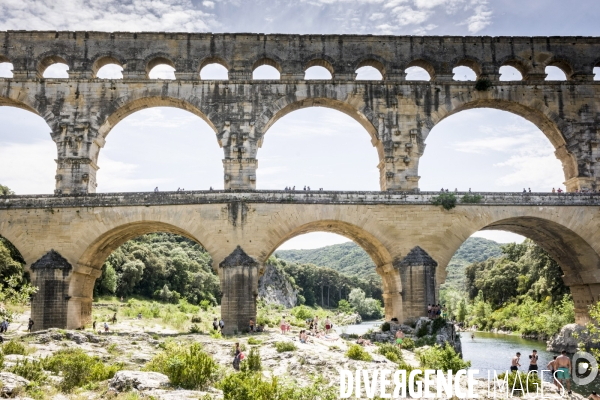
(5, 191)
(408, 343)
(423, 330)
(205, 304)
(254, 386)
(423, 341)
(474, 249)
(31, 370)
(285, 346)
(366, 307)
(13, 347)
(436, 325)
(252, 361)
(471, 198)
(1, 359)
(442, 358)
(195, 329)
(144, 265)
(391, 352)
(385, 327)
(216, 334)
(187, 367)
(592, 332)
(530, 385)
(357, 352)
(78, 369)
(302, 312)
(254, 341)
(483, 84)
(345, 307)
(446, 200)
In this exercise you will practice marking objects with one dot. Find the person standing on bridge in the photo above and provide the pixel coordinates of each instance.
(156, 189)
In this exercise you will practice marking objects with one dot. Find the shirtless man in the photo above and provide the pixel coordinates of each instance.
(552, 367)
(514, 364)
(533, 359)
(399, 338)
(327, 325)
(563, 369)
(594, 396)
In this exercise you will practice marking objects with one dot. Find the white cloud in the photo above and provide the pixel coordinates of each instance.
(429, 3)
(408, 16)
(376, 16)
(479, 20)
(103, 15)
(28, 168)
(118, 176)
(394, 3)
(208, 4)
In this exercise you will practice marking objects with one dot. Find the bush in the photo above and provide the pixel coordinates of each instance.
(30, 370)
(196, 319)
(385, 327)
(195, 329)
(391, 352)
(425, 341)
(285, 346)
(254, 341)
(302, 312)
(344, 306)
(528, 386)
(1, 360)
(471, 198)
(356, 352)
(443, 358)
(205, 304)
(252, 361)
(187, 367)
(437, 324)
(216, 334)
(13, 347)
(78, 368)
(446, 200)
(423, 330)
(408, 343)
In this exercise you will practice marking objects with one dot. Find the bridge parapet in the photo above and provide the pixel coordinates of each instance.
(295, 197)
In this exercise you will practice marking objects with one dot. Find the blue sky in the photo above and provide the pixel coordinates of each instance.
(486, 150)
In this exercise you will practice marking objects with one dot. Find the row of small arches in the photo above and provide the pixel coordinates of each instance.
(265, 70)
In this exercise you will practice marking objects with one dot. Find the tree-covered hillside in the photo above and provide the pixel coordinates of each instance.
(350, 259)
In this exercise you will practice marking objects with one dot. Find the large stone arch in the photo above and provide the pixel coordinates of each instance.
(321, 96)
(562, 238)
(535, 111)
(383, 260)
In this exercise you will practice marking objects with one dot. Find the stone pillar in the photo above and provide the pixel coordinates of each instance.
(75, 176)
(417, 272)
(239, 275)
(49, 306)
(240, 173)
(398, 170)
(392, 292)
(583, 297)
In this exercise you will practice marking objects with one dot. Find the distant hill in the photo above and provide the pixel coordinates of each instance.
(350, 259)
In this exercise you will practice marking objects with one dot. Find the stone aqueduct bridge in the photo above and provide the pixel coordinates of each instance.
(65, 239)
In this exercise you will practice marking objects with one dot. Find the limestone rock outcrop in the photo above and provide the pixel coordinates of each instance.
(140, 380)
(274, 287)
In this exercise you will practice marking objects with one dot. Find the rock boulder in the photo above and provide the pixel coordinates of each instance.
(140, 380)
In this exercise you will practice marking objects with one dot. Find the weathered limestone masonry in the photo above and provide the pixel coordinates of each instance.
(398, 115)
(65, 239)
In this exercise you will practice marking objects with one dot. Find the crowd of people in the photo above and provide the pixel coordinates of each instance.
(435, 311)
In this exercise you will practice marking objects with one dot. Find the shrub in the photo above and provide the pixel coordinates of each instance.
(444, 358)
(408, 343)
(30, 370)
(216, 334)
(391, 352)
(302, 312)
(471, 198)
(205, 304)
(187, 367)
(13, 347)
(195, 329)
(423, 330)
(285, 346)
(385, 327)
(1, 359)
(483, 84)
(529, 386)
(254, 341)
(356, 352)
(425, 341)
(252, 361)
(437, 324)
(344, 306)
(196, 319)
(446, 200)
(78, 368)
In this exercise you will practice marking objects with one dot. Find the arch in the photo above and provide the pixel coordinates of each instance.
(472, 64)
(213, 60)
(320, 62)
(157, 60)
(422, 63)
(6, 67)
(104, 61)
(97, 251)
(537, 113)
(7, 101)
(122, 108)
(371, 62)
(4, 59)
(47, 61)
(554, 74)
(267, 61)
(518, 64)
(563, 65)
(286, 105)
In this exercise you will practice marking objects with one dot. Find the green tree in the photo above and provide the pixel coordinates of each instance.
(5, 191)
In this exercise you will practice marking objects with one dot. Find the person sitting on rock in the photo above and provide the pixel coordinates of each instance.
(363, 342)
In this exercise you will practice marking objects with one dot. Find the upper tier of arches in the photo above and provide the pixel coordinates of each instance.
(291, 55)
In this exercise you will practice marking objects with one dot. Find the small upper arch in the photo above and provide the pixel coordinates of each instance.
(50, 59)
(4, 59)
(321, 61)
(271, 68)
(213, 60)
(518, 64)
(5, 67)
(425, 64)
(105, 60)
(272, 62)
(471, 63)
(563, 65)
(157, 59)
(371, 61)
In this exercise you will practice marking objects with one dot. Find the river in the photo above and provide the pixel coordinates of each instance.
(493, 351)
